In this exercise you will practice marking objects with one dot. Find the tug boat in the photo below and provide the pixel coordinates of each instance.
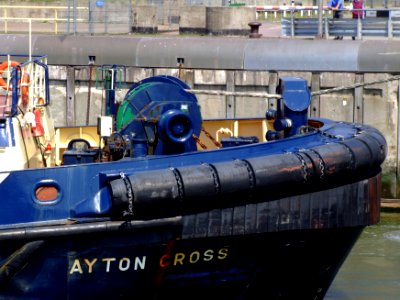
(150, 216)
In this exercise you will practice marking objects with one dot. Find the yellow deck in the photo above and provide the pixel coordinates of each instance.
(217, 129)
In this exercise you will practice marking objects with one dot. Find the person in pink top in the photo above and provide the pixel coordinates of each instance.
(357, 12)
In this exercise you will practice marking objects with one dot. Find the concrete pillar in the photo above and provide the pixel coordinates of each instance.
(193, 20)
(145, 19)
(358, 100)
(70, 105)
(272, 85)
(226, 20)
(315, 101)
(230, 100)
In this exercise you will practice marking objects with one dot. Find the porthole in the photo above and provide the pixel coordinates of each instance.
(47, 191)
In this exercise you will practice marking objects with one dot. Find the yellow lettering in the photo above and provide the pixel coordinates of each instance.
(194, 257)
(164, 261)
(76, 267)
(179, 257)
(90, 264)
(208, 255)
(222, 253)
(108, 262)
(125, 261)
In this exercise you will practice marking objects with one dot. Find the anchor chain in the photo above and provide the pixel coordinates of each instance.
(128, 185)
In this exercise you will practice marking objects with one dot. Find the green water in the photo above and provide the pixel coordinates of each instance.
(372, 269)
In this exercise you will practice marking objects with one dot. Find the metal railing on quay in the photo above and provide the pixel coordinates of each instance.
(55, 15)
(283, 11)
(64, 19)
(376, 22)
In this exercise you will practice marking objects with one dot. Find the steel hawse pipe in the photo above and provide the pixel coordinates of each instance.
(191, 189)
(226, 53)
(38, 231)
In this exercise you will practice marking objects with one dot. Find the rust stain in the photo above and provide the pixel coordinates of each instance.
(374, 199)
(159, 277)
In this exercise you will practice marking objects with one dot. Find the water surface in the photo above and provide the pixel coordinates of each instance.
(372, 269)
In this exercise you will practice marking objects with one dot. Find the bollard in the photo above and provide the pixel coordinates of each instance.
(254, 30)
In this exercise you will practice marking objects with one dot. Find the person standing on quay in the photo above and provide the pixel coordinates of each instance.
(337, 7)
(357, 11)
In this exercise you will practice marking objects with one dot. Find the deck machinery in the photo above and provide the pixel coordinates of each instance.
(160, 116)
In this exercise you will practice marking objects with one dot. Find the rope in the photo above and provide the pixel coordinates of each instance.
(356, 85)
(216, 143)
(225, 93)
(278, 96)
(196, 138)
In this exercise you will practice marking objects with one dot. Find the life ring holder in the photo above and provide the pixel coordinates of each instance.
(25, 80)
(3, 66)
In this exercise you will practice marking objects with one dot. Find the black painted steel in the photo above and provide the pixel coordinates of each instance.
(171, 192)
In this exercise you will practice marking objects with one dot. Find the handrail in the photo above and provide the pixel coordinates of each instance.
(38, 19)
(284, 10)
(368, 26)
(49, 18)
(15, 98)
(42, 7)
(5, 18)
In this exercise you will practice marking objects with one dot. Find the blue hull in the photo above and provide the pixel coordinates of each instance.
(280, 249)
(157, 265)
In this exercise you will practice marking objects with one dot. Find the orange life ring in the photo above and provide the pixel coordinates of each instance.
(3, 66)
(25, 88)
